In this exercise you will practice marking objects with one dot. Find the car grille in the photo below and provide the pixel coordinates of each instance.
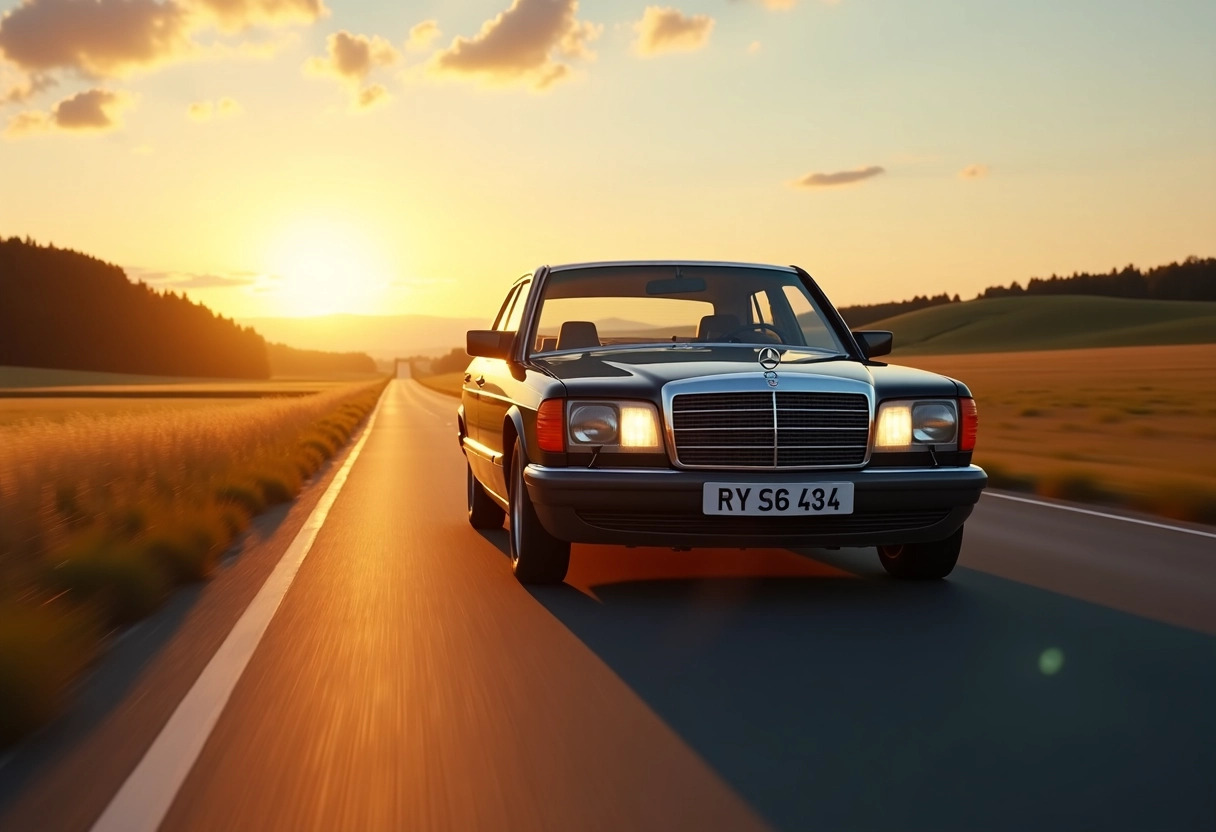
(676, 523)
(782, 429)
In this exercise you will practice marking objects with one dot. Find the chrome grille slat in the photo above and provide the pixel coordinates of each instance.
(779, 429)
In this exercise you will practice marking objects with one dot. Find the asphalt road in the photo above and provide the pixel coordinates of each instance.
(1063, 678)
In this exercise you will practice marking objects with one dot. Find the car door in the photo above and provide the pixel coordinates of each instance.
(499, 392)
(471, 398)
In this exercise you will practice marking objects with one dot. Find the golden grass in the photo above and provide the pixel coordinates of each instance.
(100, 516)
(32, 409)
(447, 383)
(1133, 425)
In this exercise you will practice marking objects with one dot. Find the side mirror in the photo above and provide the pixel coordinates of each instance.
(489, 343)
(874, 342)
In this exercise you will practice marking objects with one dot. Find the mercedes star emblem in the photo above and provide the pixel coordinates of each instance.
(769, 358)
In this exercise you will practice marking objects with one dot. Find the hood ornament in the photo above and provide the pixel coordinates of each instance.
(769, 358)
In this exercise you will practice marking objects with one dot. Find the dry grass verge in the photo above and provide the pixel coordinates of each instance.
(447, 383)
(1132, 426)
(100, 517)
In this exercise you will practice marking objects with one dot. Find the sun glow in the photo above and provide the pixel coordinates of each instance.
(323, 267)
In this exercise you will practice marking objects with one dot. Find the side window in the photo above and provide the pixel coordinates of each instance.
(505, 312)
(517, 311)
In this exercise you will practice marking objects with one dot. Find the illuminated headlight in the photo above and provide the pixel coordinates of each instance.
(614, 426)
(902, 426)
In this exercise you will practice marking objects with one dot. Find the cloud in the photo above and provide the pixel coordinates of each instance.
(205, 110)
(95, 110)
(670, 30)
(27, 87)
(423, 35)
(526, 44)
(976, 171)
(95, 37)
(191, 280)
(115, 38)
(351, 57)
(369, 97)
(843, 177)
(236, 15)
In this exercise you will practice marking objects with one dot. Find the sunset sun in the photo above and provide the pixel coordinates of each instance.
(326, 267)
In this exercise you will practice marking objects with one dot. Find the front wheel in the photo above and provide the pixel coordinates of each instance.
(537, 557)
(922, 561)
(484, 513)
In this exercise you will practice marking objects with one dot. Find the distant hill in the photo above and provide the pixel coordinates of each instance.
(1013, 324)
(289, 361)
(381, 336)
(1192, 279)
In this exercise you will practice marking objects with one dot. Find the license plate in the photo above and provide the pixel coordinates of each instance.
(758, 499)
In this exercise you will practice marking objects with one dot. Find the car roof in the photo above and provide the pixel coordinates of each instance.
(626, 263)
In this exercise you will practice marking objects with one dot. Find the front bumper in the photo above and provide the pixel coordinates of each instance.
(662, 507)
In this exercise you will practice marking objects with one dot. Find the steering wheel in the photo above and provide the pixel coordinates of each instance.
(756, 327)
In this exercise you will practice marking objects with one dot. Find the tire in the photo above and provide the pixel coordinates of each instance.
(922, 561)
(484, 513)
(537, 557)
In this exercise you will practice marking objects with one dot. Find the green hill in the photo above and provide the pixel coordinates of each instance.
(1050, 323)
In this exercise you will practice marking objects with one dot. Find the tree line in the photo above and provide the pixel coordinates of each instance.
(62, 309)
(1192, 279)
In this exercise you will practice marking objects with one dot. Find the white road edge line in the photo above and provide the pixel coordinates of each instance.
(144, 799)
(1135, 520)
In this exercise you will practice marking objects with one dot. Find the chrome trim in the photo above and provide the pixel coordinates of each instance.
(483, 451)
(869, 472)
(601, 264)
(580, 470)
(755, 383)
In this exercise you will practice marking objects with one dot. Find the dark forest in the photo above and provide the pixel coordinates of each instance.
(61, 309)
(1192, 279)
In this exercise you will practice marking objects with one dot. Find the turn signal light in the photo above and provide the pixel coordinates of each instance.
(971, 423)
(550, 425)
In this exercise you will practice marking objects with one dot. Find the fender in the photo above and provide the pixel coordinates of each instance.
(516, 418)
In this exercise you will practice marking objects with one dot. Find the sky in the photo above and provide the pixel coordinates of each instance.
(302, 157)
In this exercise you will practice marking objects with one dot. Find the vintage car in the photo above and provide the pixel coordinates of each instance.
(694, 404)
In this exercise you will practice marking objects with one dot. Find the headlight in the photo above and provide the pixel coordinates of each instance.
(902, 426)
(593, 424)
(933, 422)
(614, 426)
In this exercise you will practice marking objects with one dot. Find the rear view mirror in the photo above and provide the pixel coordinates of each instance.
(675, 286)
(489, 343)
(874, 342)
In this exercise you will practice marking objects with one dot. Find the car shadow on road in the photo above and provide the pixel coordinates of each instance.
(835, 698)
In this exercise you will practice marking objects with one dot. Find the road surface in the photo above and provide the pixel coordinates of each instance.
(1063, 678)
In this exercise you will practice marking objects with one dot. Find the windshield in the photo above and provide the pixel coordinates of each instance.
(708, 304)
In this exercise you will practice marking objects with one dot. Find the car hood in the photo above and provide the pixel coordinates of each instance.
(634, 371)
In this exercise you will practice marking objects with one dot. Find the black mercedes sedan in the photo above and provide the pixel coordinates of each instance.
(693, 404)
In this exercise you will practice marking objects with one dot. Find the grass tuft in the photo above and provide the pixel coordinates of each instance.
(43, 647)
(119, 578)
